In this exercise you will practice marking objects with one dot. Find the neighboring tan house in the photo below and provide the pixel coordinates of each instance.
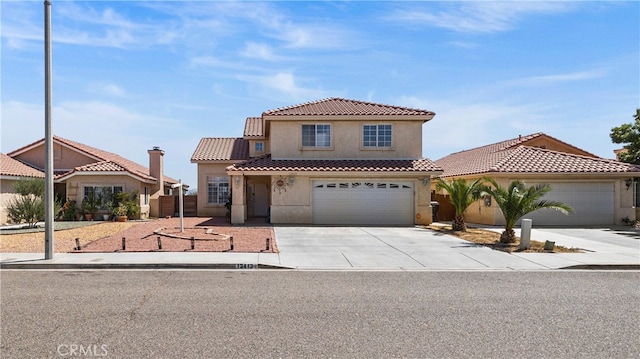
(332, 161)
(601, 191)
(78, 168)
(11, 171)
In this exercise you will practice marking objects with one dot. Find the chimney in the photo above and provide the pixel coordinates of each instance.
(156, 166)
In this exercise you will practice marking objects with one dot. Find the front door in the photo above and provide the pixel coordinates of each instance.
(259, 200)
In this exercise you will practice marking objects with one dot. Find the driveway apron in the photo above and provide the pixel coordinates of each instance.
(387, 248)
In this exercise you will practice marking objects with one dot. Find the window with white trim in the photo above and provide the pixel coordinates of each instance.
(217, 190)
(376, 136)
(104, 193)
(316, 135)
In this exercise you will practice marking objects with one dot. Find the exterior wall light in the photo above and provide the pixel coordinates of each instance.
(628, 182)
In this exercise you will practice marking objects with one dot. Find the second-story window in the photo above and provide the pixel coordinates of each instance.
(316, 135)
(259, 147)
(376, 136)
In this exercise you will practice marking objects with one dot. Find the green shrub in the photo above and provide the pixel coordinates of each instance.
(28, 206)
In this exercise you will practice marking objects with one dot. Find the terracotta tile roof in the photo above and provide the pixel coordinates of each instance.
(253, 127)
(13, 167)
(100, 156)
(221, 149)
(538, 160)
(104, 166)
(265, 163)
(512, 157)
(344, 107)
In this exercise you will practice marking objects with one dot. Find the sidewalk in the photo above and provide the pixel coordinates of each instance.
(367, 248)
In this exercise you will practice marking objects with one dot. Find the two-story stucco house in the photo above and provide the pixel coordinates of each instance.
(332, 161)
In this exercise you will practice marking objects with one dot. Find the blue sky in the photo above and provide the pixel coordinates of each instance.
(128, 76)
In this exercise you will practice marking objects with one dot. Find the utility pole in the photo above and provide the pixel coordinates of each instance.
(48, 138)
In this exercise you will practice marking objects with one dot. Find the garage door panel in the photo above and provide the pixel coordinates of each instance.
(593, 204)
(362, 202)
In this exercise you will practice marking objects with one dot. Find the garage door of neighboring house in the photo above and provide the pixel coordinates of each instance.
(362, 202)
(593, 204)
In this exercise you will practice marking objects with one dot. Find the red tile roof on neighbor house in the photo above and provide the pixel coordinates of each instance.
(221, 149)
(344, 107)
(512, 156)
(105, 161)
(14, 168)
(265, 163)
(253, 127)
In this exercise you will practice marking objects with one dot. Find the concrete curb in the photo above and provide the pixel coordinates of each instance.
(226, 266)
(605, 266)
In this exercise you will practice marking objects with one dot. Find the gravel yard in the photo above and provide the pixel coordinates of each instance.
(210, 235)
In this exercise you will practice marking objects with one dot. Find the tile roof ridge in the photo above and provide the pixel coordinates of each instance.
(592, 158)
(341, 99)
(510, 154)
(298, 105)
(518, 151)
(99, 163)
(514, 142)
(505, 144)
(572, 146)
(223, 138)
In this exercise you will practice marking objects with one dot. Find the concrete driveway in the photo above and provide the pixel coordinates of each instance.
(414, 248)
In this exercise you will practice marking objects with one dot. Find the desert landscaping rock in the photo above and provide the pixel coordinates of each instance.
(142, 236)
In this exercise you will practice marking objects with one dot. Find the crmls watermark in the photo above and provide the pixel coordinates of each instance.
(79, 350)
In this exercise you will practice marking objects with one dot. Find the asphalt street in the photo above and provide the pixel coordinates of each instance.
(292, 314)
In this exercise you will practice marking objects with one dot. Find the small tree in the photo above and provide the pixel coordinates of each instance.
(29, 206)
(462, 194)
(518, 200)
(629, 134)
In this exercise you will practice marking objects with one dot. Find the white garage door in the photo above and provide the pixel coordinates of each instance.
(366, 202)
(592, 204)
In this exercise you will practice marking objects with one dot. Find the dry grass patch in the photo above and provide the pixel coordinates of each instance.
(64, 240)
(491, 239)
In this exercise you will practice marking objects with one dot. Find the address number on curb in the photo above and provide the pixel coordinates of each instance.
(246, 266)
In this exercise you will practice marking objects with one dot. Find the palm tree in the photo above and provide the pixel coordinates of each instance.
(462, 195)
(518, 200)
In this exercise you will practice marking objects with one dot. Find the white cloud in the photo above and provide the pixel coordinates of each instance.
(464, 125)
(260, 51)
(107, 89)
(464, 44)
(559, 78)
(286, 84)
(480, 16)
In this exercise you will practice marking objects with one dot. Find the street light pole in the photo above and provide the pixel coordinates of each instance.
(48, 139)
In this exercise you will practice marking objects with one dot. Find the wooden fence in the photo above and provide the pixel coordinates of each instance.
(170, 206)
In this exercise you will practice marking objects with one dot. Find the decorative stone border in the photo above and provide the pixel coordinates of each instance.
(180, 235)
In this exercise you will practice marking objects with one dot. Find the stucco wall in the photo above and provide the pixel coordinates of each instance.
(7, 194)
(292, 202)
(211, 170)
(75, 188)
(478, 212)
(252, 148)
(63, 159)
(346, 140)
